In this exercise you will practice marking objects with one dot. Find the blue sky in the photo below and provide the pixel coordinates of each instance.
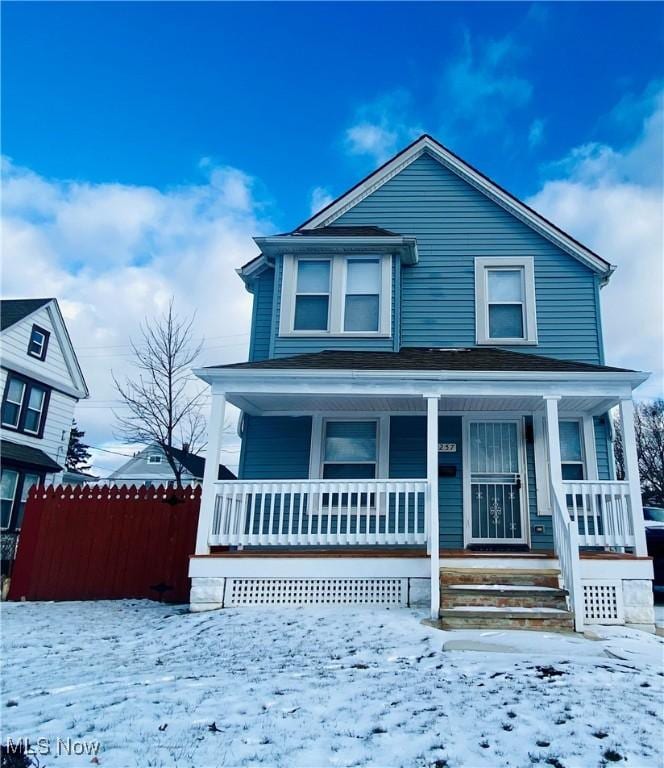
(144, 144)
(140, 92)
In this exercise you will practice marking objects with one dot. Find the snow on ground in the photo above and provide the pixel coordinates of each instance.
(157, 686)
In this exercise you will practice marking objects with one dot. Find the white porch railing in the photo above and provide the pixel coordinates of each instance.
(319, 512)
(602, 511)
(566, 538)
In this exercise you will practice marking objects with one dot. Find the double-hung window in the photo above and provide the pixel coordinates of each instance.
(362, 295)
(572, 458)
(38, 342)
(24, 405)
(312, 296)
(8, 485)
(349, 450)
(336, 296)
(505, 301)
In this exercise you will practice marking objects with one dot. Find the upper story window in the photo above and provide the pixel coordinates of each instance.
(505, 301)
(24, 405)
(154, 459)
(38, 343)
(340, 295)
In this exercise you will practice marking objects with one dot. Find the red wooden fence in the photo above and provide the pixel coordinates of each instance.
(97, 543)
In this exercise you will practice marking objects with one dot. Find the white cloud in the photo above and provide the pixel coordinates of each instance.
(320, 198)
(611, 199)
(114, 254)
(380, 128)
(536, 133)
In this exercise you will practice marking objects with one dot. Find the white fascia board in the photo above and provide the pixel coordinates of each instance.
(477, 180)
(612, 384)
(71, 360)
(401, 245)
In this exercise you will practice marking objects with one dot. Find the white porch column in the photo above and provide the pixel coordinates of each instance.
(432, 478)
(632, 474)
(553, 436)
(215, 434)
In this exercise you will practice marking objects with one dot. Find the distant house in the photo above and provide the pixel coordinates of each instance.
(150, 467)
(41, 381)
(76, 477)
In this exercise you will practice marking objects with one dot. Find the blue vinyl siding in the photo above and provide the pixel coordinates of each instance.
(261, 318)
(602, 448)
(543, 540)
(275, 448)
(454, 223)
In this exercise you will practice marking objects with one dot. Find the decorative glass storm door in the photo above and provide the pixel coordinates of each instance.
(495, 509)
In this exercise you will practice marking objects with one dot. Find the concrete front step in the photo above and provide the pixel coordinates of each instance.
(470, 617)
(502, 596)
(525, 577)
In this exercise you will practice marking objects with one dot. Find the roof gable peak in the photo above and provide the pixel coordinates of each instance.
(433, 148)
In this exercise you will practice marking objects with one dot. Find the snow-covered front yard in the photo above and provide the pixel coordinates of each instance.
(157, 686)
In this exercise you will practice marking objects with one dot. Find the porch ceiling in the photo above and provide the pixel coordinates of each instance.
(292, 405)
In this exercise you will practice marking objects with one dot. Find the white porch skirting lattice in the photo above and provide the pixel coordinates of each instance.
(239, 592)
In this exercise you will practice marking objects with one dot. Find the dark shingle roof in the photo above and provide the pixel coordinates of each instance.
(13, 310)
(358, 231)
(196, 465)
(27, 455)
(425, 359)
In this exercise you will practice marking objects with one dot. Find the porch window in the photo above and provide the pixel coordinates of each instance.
(339, 296)
(29, 479)
(571, 450)
(349, 450)
(312, 298)
(505, 301)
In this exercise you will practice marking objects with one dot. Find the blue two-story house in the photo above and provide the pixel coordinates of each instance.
(425, 415)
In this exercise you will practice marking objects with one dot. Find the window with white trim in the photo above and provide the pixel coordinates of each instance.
(336, 296)
(154, 458)
(572, 454)
(8, 485)
(24, 405)
(505, 301)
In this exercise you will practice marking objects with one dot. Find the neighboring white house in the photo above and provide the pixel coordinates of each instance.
(41, 381)
(150, 467)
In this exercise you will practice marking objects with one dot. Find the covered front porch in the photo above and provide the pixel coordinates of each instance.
(433, 465)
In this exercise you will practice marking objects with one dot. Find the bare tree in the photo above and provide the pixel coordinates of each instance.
(164, 405)
(649, 429)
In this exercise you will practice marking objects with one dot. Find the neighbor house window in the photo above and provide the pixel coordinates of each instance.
(38, 342)
(349, 450)
(571, 450)
(154, 459)
(24, 405)
(344, 295)
(8, 484)
(29, 479)
(505, 301)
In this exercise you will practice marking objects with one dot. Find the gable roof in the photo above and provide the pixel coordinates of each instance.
(191, 462)
(427, 144)
(472, 359)
(13, 310)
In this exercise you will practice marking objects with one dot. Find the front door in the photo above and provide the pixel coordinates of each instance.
(495, 509)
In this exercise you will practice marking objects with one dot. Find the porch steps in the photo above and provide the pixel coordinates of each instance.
(503, 598)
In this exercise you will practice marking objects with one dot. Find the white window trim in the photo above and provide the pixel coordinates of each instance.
(337, 294)
(482, 266)
(33, 333)
(39, 410)
(318, 422)
(154, 459)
